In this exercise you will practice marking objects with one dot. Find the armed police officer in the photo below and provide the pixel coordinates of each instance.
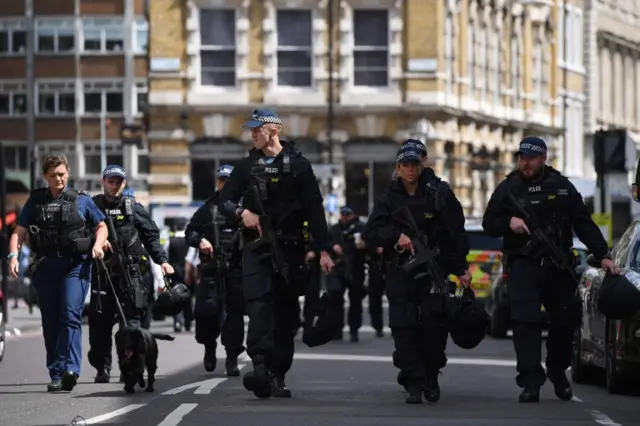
(346, 237)
(135, 231)
(417, 311)
(280, 192)
(534, 210)
(219, 304)
(57, 220)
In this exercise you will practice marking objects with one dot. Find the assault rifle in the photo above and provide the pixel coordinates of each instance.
(269, 236)
(119, 262)
(541, 235)
(220, 262)
(423, 254)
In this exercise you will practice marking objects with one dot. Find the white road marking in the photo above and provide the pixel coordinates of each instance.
(17, 332)
(177, 415)
(208, 386)
(576, 399)
(188, 386)
(116, 413)
(376, 358)
(603, 419)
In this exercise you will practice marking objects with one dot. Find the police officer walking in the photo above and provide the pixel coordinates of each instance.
(280, 192)
(346, 236)
(219, 304)
(377, 270)
(417, 311)
(535, 276)
(134, 228)
(57, 220)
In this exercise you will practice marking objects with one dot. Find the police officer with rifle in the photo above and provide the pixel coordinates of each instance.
(349, 271)
(419, 223)
(219, 304)
(130, 227)
(280, 192)
(534, 209)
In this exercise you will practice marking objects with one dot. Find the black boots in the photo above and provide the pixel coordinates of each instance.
(210, 361)
(279, 388)
(530, 394)
(258, 381)
(103, 375)
(231, 367)
(69, 381)
(561, 386)
(431, 387)
(54, 386)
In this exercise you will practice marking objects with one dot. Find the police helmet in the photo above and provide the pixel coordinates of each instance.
(327, 321)
(468, 322)
(172, 299)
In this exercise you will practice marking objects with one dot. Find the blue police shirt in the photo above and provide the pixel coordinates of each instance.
(87, 210)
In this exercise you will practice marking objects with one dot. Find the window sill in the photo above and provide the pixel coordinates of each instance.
(297, 96)
(370, 96)
(65, 115)
(211, 95)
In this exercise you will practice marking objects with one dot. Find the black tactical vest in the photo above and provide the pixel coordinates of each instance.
(58, 224)
(123, 216)
(278, 190)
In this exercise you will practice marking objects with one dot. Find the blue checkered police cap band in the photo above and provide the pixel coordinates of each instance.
(261, 117)
(114, 171)
(408, 155)
(415, 145)
(224, 171)
(532, 146)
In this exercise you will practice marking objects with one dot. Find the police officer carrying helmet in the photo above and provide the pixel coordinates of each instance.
(534, 275)
(346, 236)
(136, 231)
(59, 221)
(275, 177)
(219, 304)
(417, 311)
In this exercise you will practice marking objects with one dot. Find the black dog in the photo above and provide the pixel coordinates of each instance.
(137, 350)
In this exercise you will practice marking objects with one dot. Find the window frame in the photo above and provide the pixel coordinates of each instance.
(109, 23)
(13, 88)
(11, 26)
(140, 24)
(310, 49)
(17, 146)
(92, 149)
(41, 88)
(55, 25)
(362, 49)
(117, 87)
(219, 48)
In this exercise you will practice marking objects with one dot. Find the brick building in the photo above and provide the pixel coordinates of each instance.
(71, 73)
(475, 75)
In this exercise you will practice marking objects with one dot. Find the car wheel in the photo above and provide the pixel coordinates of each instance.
(616, 381)
(499, 324)
(3, 337)
(580, 372)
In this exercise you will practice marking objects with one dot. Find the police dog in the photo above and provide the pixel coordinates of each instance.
(137, 350)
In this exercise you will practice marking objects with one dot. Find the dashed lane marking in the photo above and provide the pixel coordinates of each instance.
(603, 419)
(177, 415)
(101, 418)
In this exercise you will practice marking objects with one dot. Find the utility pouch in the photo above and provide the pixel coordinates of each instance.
(81, 246)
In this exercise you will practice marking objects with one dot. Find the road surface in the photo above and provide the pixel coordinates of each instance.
(339, 384)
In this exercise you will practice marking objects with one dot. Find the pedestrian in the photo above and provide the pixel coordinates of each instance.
(59, 221)
(417, 306)
(536, 276)
(279, 190)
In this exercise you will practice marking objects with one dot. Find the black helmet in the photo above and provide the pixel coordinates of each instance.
(327, 321)
(468, 322)
(619, 295)
(172, 299)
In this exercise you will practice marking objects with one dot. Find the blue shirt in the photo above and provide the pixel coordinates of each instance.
(87, 210)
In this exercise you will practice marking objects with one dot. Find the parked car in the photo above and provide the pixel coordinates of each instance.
(3, 328)
(601, 344)
(497, 305)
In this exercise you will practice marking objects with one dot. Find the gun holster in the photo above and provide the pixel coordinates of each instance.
(81, 245)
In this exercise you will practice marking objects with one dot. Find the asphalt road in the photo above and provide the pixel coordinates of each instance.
(339, 384)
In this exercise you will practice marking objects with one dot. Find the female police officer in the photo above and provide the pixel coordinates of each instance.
(56, 219)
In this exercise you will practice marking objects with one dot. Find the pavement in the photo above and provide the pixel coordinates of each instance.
(339, 384)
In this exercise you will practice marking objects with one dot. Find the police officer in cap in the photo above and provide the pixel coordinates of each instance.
(284, 183)
(417, 312)
(136, 231)
(219, 305)
(534, 276)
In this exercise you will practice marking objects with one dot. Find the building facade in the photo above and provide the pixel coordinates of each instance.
(471, 77)
(71, 74)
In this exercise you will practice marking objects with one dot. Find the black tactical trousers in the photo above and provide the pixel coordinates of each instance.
(338, 283)
(376, 290)
(148, 282)
(219, 311)
(417, 319)
(103, 315)
(312, 295)
(274, 313)
(530, 286)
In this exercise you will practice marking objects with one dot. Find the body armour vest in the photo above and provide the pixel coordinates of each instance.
(222, 231)
(122, 214)
(58, 224)
(278, 190)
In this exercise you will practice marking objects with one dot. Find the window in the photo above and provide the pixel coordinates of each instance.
(371, 47)
(449, 51)
(493, 68)
(13, 37)
(56, 99)
(13, 98)
(498, 77)
(141, 36)
(93, 160)
(538, 71)
(67, 149)
(572, 36)
(103, 98)
(481, 64)
(516, 52)
(140, 98)
(55, 35)
(218, 47)
(295, 62)
(103, 35)
(471, 44)
(16, 157)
